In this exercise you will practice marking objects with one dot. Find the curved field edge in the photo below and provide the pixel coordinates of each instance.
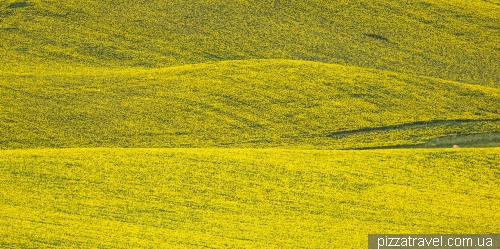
(219, 198)
(230, 104)
(454, 40)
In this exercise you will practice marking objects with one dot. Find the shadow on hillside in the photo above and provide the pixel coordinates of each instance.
(17, 5)
(377, 37)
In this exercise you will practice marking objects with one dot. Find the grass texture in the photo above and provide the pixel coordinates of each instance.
(242, 198)
(471, 141)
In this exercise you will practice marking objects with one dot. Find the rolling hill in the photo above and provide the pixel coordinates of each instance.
(453, 40)
(246, 123)
(247, 73)
(255, 103)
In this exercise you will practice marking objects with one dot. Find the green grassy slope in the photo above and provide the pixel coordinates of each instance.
(453, 40)
(473, 140)
(233, 198)
(256, 103)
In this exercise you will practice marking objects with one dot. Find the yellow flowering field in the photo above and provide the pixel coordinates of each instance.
(253, 103)
(449, 39)
(247, 124)
(242, 198)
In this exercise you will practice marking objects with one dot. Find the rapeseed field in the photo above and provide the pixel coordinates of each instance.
(454, 40)
(242, 198)
(256, 103)
(247, 124)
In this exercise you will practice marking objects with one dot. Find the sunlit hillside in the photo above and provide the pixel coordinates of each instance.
(234, 198)
(247, 123)
(257, 103)
(454, 40)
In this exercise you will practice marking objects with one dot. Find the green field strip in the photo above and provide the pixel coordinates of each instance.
(419, 124)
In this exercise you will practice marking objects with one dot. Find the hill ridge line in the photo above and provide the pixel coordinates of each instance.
(93, 72)
(138, 70)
